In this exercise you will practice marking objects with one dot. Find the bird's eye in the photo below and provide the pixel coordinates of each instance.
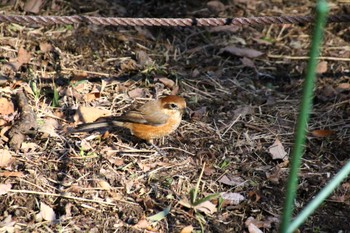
(173, 106)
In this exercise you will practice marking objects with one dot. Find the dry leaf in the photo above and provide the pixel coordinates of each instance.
(225, 28)
(137, 93)
(47, 212)
(45, 47)
(233, 181)
(198, 114)
(104, 184)
(277, 150)
(206, 207)
(142, 224)
(90, 114)
(241, 52)
(29, 146)
(233, 198)
(6, 106)
(11, 174)
(143, 58)
(33, 6)
(321, 133)
(321, 67)
(92, 96)
(49, 127)
(23, 56)
(4, 188)
(5, 158)
(187, 229)
(253, 229)
(166, 81)
(343, 87)
(247, 62)
(215, 6)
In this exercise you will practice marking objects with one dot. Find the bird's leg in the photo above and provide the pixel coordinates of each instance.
(162, 153)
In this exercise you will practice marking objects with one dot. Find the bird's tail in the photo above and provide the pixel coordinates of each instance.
(97, 126)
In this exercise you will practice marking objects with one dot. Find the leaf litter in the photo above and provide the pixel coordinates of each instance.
(242, 91)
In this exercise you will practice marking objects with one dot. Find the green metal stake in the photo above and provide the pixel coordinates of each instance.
(321, 196)
(305, 108)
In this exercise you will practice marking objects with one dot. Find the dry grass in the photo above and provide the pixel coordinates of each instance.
(112, 182)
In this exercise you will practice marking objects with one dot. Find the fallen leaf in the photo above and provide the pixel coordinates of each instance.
(143, 58)
(6, 106)
(33, 6)
(8, 225)
(23, 56)
(142, 224)
(187, 229)
(343, 87)
(198, 114)
(47, 212)
(233, 198)
(5, 158)
(4, 188)
(277, 150)
(225, 28)
(321, 67)
(241, 52)
(45, 47)
(91, 96)
(253, 229)
(90, 114)
(215, 6)
(232, 181)
(321, 133)
(29, 146)
(137, 93)
(104, 184)
(166, 81)
(247, 62)
(49, 128)
(11, 174)
(206, 207)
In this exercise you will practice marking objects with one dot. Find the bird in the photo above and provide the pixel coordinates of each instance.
(155, 119)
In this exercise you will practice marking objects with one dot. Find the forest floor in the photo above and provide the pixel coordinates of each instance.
(242, 86)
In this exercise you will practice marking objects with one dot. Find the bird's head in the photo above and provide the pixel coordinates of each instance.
(173, 105)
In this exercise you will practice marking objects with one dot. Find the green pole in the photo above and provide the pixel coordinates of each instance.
(305, 108)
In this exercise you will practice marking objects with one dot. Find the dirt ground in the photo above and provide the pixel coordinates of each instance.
(241, 108)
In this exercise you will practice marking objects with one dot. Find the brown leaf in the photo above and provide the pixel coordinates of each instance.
(4, 188)
(199, 113)
(92, 96)
(33, 6)
(137, 93)
(215, 6)
(47, 212)
(143, 58)
(45, 47)
(166, 81)
(232, 181)
(6, 106)
(277, 150)
(321, 133)
(11, 174)
(247, 62)
(241, 52)
(23, 56)
(90, 114)
(233, 198)
(5, 158)
(206, 207)
(343, 87)
(321, 67)
(187, 229)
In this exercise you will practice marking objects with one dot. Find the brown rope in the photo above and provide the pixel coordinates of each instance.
(165, 22)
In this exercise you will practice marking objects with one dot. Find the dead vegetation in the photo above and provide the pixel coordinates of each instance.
(242, 86)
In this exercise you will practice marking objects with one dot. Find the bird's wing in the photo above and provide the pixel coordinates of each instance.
(147, 114)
